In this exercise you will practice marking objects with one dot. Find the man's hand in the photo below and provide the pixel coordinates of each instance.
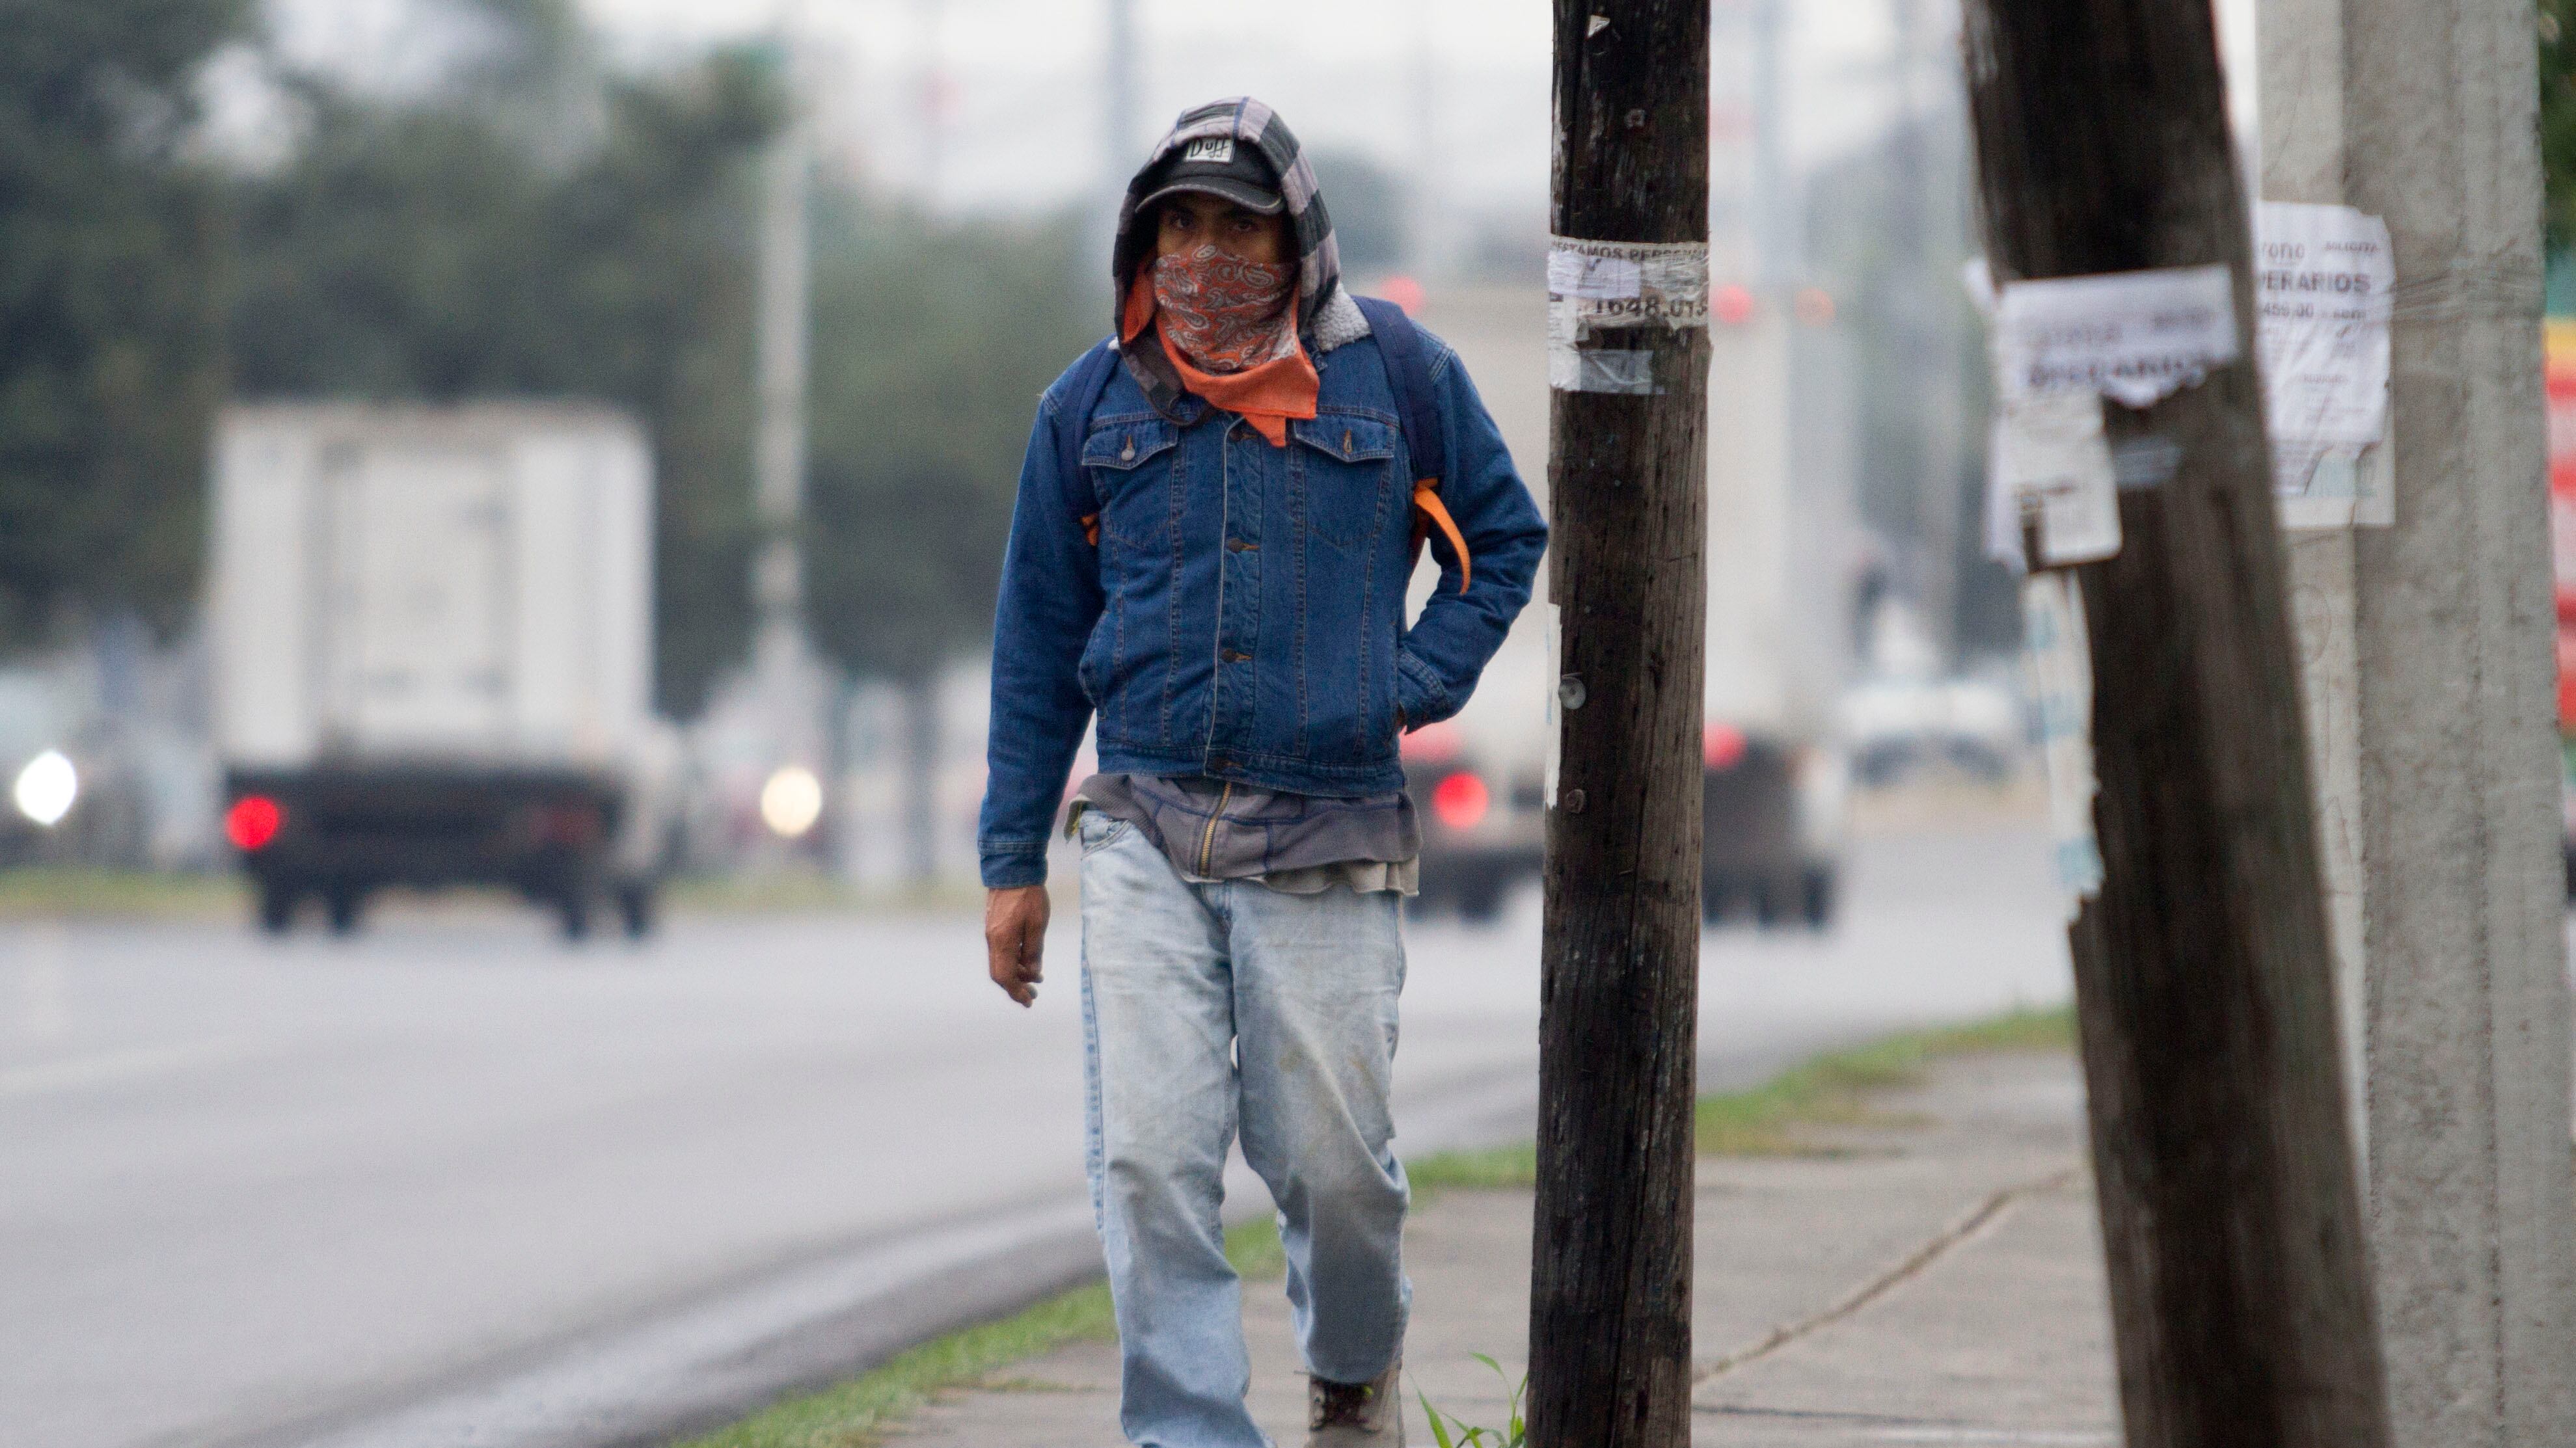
(1015, 923)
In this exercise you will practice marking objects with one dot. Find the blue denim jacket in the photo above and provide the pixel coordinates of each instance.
(1242, 614)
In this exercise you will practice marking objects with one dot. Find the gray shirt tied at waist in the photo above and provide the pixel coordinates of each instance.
(1301, 844)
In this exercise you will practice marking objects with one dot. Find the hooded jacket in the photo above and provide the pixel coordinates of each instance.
(1230, 609)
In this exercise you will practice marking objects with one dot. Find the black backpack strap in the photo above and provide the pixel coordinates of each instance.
(1408, 375)
(1090, 378)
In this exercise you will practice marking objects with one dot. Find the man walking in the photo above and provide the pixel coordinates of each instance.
(1219, 513)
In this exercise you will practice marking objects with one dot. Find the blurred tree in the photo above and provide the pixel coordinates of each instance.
(109, 332)
(2558, 117)
(931, 345)
(459, 246)
(1367, 204)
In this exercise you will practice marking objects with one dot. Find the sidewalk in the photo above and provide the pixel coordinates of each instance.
(1935, 1280)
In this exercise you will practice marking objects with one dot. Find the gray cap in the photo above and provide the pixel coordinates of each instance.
(1218, 166)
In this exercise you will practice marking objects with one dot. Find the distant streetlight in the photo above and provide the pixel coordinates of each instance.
(791, 802)
(46, 788)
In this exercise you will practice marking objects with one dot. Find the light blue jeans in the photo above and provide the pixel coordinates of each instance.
(1205, 1008)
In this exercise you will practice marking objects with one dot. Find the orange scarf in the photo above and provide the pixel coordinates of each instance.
(1268, 396)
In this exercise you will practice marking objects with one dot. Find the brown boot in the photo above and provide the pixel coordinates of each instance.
(1356, 1415)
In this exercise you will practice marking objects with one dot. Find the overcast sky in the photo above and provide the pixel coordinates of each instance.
(1000, 103)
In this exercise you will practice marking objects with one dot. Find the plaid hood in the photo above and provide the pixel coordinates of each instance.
(1325, 312)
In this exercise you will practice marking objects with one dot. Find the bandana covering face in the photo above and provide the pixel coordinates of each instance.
(1225, 314)
(1229, 328)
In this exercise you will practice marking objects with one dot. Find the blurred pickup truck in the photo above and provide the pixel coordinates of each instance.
(1483, 817)
(432, 648)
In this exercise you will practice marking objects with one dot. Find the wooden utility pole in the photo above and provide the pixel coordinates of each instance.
(1629, 352)
(2230, 1212)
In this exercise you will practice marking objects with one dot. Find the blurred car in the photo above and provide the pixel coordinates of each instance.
(1772, 836)
(1897, 728)
(1773, 828)
(1484, 832)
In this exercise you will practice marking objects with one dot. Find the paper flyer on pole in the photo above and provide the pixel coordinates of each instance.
(1604, 286)
(2134, 337)
(2322, 301)
(2048, 463)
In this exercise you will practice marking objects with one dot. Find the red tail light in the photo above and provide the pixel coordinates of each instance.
(1460, 801)
(1721, 746)
(253, 821)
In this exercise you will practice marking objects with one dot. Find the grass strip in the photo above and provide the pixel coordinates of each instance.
(812, 893)
(1764, 1120)
(863, 1411)
(73, 892)
(1761, 1121)
(1834, 1088)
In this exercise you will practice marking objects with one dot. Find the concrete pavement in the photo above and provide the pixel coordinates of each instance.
(1936, 1280)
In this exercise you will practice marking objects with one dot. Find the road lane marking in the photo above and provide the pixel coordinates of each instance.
(116, 1068)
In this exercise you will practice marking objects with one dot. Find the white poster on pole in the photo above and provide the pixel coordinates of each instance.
(2322, 304)
(1598, 287)
(2049, 471)
(2134, 337)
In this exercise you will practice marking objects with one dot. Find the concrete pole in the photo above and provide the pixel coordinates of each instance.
(1119, 116)
(1119, 148)
(1427, 247)
(778, 464)
(1925, 300)
(782, 660)
(2421, 111)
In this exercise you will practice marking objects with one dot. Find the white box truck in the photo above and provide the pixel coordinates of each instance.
(432, 640)
(1781, 570)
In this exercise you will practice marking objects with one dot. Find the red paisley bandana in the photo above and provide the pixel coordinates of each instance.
(1225, 314)
(1269, 393)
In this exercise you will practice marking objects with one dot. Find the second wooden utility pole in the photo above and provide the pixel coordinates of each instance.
(2230, 1213)
(1628, 365)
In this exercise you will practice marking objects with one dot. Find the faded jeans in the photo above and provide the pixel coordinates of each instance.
(1211, 1007)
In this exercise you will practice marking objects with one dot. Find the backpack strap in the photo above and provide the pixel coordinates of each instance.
(1090, 378)
(1408, 375)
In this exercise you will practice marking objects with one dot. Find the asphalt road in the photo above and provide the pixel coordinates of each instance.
(455, 1183)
